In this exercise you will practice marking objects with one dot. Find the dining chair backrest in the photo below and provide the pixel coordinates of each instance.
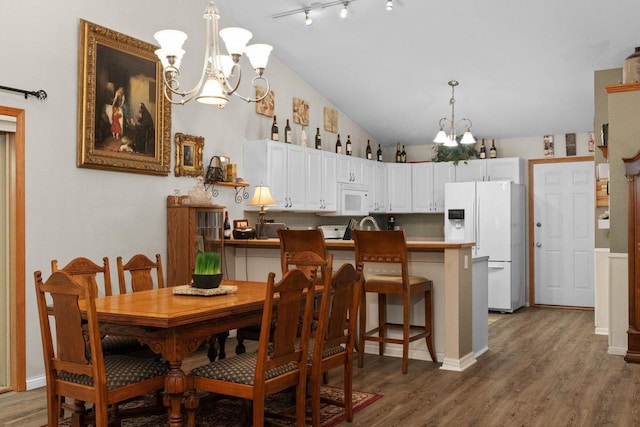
(85, 271)
(140, 268)
(382, 247)
(295, 241)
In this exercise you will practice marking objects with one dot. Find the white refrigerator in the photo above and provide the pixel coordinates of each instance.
(492, 214)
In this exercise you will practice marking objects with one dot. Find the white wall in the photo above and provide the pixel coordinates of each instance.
(74, 212)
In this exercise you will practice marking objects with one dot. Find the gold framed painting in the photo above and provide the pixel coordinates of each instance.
(124, 121)
(330, 120)
(188, 155)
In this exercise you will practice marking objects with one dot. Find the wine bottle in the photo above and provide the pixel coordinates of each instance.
(398, 153)
(369, 153)
(287, 133)
(493, 153)
(338, 145)
(318, 139)
(349, 148)
(403, 155)
(379, 153)
(483, 150)
(274, 129)
(227, 226)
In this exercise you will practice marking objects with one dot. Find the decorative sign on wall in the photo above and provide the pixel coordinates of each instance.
(570, 139)
(266, 106)
(300, 111)
(591, 141)
(548, 145)
(330, 120)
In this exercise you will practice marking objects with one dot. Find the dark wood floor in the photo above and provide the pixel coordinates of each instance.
(545, 367)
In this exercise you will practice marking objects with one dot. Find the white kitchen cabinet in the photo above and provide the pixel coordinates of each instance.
(399, 187)
(501, 169)
(321, 185)
(471, 170)
(376, 180)
(506, 169)
(427, 183)
(350, 169)
(280, 166)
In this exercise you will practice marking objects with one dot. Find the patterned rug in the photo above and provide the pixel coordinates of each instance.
(231, 412)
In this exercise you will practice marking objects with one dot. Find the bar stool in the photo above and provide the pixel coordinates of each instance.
(389, 247)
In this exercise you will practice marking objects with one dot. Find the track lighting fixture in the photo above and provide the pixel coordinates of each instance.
(307, 19)
(344, 11)
(389, 5)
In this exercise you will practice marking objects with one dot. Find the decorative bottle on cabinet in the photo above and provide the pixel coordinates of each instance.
(349, 148)
(379, 153)
(483, 150)
(227, 226)
(398, 153)
(318, 139)
(191, 229)
(403, 156)
(338, 145)
(369, 153)
(493, 153)
(274, 129)
(287, 133)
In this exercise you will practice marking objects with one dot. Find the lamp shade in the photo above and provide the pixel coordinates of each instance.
(258, 55)
(441, 137)
(262, 197)
(235, 39)
(212, 93)
(467, 138)
(171, 41)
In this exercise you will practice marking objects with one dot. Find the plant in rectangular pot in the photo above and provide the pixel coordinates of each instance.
(207, 274)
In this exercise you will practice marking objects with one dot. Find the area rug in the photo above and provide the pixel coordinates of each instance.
(230, 412)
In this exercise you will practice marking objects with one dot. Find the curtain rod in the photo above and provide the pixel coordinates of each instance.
(40, 94)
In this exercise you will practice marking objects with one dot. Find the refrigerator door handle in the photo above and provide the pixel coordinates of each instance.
(496, 267)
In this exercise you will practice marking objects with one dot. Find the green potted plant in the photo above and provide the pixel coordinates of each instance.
(207, 273)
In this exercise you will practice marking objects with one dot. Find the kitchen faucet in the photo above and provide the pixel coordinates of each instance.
(369, 218)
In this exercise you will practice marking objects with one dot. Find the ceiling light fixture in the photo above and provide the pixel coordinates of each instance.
(217, 69)
(389, 5)
(344, 11)
(313, 6)
(450, 140)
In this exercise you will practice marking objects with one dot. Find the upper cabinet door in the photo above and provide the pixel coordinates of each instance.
(422, 187)
(296, 177)
(471, 170)
(314, 180)
(506, 169)
(350, 170)
(399, 194)
(329, 185)
(442, 173)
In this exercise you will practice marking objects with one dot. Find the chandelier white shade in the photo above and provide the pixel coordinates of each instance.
(450, 140)
(221, 74)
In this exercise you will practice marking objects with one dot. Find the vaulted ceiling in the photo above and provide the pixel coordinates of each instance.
(525, 67)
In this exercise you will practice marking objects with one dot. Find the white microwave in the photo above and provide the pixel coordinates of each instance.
(353, 200)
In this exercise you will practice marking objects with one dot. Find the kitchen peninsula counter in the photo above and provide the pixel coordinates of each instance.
(448, 264)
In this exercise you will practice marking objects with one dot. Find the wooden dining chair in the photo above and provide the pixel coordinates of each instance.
(378, 248)
(86, 272)
(292, 242)
(140, 269)
(279, 363)
(79, 370)
(332, 345)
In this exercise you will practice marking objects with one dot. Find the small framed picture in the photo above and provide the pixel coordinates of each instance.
(330, 120)
(547, 140)
(300, 111)
(189, 155)
(570, 139)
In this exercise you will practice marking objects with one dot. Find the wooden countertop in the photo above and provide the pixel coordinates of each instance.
(413, 244)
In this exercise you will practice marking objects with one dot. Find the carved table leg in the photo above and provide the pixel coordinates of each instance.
(175, 386)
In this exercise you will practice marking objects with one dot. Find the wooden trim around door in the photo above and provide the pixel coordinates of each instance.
(532, 163)
(17, 336)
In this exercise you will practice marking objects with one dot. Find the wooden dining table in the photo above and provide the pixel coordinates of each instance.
(174, 326)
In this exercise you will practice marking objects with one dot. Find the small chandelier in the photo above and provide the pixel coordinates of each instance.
(218, 70)
(450, 140)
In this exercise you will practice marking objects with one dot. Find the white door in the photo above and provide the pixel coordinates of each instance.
(563, 223)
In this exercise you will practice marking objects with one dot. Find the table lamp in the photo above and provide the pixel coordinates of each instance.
(262, 197)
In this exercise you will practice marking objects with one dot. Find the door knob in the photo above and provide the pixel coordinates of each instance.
(538, 245)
